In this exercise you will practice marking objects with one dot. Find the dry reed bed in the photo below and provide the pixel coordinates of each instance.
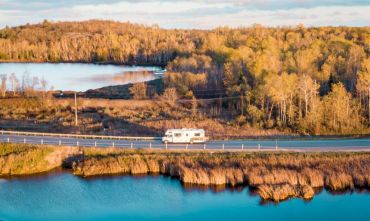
(275, 176)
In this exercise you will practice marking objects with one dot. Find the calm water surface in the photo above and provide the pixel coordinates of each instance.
(80, 77)
(62, 196)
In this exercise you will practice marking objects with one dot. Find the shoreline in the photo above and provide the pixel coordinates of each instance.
(188, 187)
(81, 62)
(276, 175)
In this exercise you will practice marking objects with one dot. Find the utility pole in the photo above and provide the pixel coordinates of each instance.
(76, 118)
(368, 102)
(242, 103)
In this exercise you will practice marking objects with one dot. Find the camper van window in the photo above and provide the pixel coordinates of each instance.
(177, 135)
(197, 134)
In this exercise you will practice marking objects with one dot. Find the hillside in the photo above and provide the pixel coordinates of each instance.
(310, 80)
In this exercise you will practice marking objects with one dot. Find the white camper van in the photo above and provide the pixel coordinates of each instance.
(184, 136)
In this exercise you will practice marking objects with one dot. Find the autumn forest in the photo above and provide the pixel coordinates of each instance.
(305, 80)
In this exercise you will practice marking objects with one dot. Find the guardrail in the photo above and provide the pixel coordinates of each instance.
(80, 140)
(127, 145)
(148, 144)
(80, 136)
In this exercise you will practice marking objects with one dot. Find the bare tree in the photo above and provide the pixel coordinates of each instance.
(35, 82)
(3, 79)
(44, 89)
(307, 90)
(26, 82)
(29, 84)
(14, 83)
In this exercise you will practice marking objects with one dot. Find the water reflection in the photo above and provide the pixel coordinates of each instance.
(79, 77)
(63, 196)
(197, 188)
(188, 187)
(123, 78)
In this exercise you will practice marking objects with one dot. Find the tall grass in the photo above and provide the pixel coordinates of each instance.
(275, 176)
(115, 117)
(21, 159)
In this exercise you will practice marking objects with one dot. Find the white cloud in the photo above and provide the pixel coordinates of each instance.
(148, 7)
(196, 13)
(318, 16)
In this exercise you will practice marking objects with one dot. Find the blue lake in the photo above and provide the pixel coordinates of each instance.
(62, 196)
(78, 76)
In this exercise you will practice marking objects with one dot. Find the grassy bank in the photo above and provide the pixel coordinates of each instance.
(18, 159)
(275, 176)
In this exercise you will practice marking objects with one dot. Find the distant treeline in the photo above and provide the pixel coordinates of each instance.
(311, 80)
(93, 41)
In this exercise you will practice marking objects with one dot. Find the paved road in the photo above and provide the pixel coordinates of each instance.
(314, 144)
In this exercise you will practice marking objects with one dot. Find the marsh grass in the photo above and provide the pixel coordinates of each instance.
(275, 176)
(6, 149)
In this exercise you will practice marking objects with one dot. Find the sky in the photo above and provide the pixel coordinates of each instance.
(199, 14)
